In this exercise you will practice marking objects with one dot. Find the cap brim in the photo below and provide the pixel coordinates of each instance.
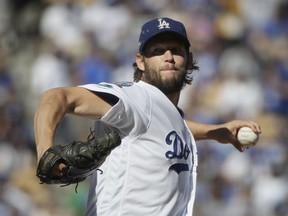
(177, 34)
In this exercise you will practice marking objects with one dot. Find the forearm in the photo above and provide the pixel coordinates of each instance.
(55, 104)
(202, 131)
(50, 112)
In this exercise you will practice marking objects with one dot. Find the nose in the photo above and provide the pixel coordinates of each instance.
(168, 55)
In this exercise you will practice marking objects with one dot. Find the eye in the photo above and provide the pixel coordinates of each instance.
(178, 51)
(158, 51)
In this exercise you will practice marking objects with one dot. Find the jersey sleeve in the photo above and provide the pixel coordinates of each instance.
(127, 115)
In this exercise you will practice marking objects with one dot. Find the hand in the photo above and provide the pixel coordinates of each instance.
(227, 132)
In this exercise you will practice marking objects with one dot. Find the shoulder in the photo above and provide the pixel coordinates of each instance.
(105, 86)
(124, 90)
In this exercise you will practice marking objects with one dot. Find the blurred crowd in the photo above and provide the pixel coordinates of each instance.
(241, 47)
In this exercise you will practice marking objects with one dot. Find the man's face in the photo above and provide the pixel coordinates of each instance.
(165, 63)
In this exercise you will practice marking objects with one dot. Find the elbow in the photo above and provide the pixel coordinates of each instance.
(52, 95)
(55, 97)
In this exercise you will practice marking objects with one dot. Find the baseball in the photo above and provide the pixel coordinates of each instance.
(247, 137)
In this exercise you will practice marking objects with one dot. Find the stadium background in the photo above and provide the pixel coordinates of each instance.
(241, 47)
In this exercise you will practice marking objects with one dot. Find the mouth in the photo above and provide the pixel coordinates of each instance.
(169, 68)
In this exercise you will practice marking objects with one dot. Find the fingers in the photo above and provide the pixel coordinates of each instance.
(251, 124)
(232, 139)
(59, 169)
(238, 146)
(255, 127)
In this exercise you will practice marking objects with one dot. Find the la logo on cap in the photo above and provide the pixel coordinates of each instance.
(158, 26)
(163, 24)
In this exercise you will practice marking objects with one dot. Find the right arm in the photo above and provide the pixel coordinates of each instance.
(222, 133)
(54, 104)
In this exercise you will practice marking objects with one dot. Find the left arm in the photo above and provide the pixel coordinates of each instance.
(222, 133)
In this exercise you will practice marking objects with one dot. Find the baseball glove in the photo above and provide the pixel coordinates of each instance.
(81, 158)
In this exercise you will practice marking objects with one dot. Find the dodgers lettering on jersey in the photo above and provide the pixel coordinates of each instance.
(153, 171)
(180, 150)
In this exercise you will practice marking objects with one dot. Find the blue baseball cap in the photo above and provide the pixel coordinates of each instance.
(161, 25)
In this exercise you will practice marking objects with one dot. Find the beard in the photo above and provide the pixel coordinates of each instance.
(167, 86)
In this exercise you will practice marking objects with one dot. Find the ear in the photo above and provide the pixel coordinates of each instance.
(189, 61)
(140, 62)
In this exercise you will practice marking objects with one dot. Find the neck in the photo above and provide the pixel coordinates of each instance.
(174, 98)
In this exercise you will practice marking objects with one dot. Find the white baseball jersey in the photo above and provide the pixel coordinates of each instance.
(153, 171)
